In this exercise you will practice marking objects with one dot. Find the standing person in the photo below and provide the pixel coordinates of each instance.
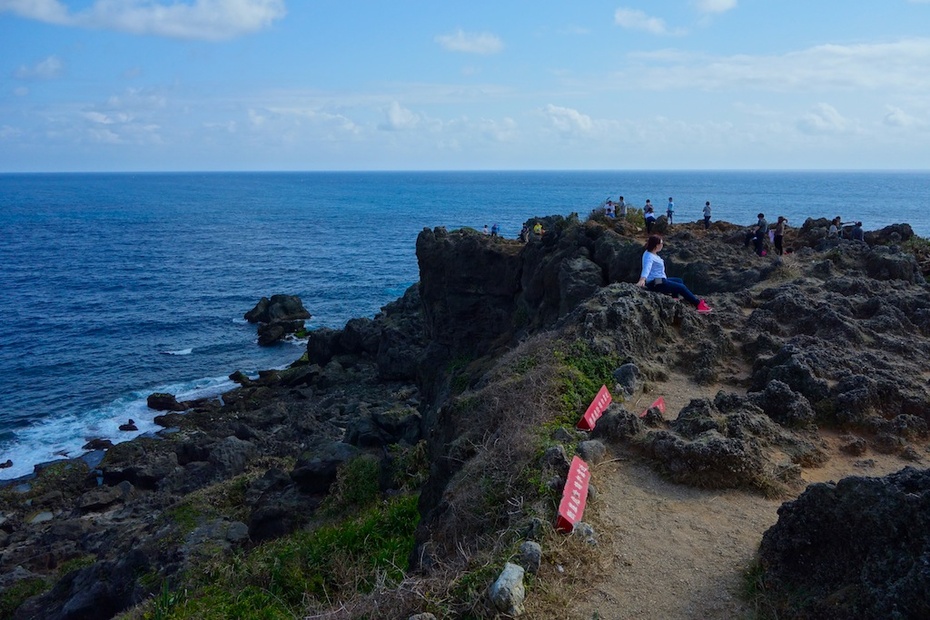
(780, 234)
(649, 215)
(706, 215)
(653, 276)
(757, 234)
(495, 229)
(670, 210)
(620, 209)
(610, 208)
(525, 233)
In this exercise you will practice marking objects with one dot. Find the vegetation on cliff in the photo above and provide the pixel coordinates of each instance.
(404, 460)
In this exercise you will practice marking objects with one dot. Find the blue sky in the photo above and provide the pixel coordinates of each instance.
(135, 85)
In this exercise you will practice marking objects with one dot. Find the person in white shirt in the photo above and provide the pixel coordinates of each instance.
(653, 276)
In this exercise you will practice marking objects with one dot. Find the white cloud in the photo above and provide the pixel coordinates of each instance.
(634, 19)
(862, 67)
(399, 118)
(210, 20)
(7, 132)
(897, 117)
(716, 6)
(47, 69)
(471, 43)
(823, 119)
(568, 120)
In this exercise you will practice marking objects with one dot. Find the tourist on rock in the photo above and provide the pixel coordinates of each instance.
(525, 233)
(610, 208)
(653, 276)
(757, 233)
(836, 227)
(670, 210)
(485, 230)
(650, 216)
(495, 229)
(538, 229)
(620, 208)
(706, 215)
(857, 233)
(779, 236)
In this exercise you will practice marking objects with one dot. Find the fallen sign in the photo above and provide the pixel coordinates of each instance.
(595, 409)
(574, 496)
(659, 404)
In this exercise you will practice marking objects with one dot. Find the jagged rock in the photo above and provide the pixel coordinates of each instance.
(592, 451)
(857, 549)
(160, 401)
(508, 592)
(556, 459)
(618, 424)
(709, 460)
(104, 497)
(530, 556)
(97, 444)
(627, 378)
(783, 404)
(316, 473)
(278, 308)
(98, 591)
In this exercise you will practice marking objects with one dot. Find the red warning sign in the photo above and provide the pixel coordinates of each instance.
(659, 403)
(595, 409)
(574, 496)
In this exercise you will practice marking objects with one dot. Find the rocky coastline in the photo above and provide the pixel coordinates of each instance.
(463, 394)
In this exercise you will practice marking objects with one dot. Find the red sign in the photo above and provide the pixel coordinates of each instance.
(659, 404)
(574, 496)
(595, 409)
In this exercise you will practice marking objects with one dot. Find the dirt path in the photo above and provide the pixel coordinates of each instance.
(672, 552)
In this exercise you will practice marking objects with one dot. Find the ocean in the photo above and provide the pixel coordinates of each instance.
(115, 286)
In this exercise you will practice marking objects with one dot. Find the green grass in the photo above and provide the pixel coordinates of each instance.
(16, 595)
(583, 374)
(278, 579)
(356, 487)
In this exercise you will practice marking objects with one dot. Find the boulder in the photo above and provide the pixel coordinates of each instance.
(278, 308)
(856, 548)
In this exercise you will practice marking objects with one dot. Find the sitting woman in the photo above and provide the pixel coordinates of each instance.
(653, 276)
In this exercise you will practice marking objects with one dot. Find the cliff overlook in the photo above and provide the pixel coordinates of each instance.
(445, 426)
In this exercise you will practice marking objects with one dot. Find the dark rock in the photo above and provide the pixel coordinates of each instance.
(316, 473)
(627, 377)
(98, 591)
(784, 405)
(618, 424)
(97, 444)
(857, 549)
(129, 426)
(164, 402)
(592, 451)
(278, 308)
(710, 460)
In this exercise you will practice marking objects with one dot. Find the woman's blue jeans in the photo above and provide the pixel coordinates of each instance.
(673, 287)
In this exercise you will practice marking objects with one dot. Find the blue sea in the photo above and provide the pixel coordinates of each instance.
(115, 286)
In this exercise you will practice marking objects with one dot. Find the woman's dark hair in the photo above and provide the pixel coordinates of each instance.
(653, 242)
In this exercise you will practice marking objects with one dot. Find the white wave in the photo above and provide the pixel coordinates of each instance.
(179, 352)
(56, 439)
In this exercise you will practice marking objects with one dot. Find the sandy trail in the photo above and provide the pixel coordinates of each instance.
(672, 552)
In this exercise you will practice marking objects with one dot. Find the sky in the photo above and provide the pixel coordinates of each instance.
(204, 85)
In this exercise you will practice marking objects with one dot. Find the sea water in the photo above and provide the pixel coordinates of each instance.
(115, 286)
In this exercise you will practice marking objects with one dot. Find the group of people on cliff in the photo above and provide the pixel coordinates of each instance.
(759, 232)
(619, 210)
